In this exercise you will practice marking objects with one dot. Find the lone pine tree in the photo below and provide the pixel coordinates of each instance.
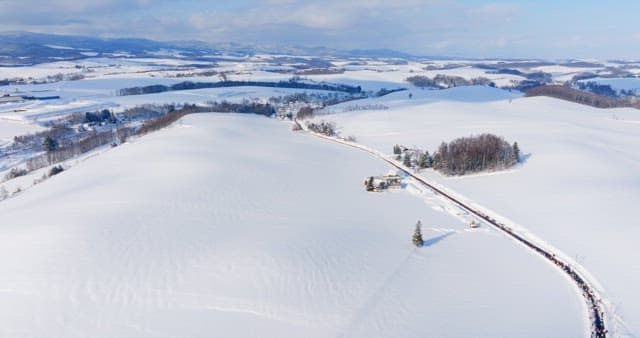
(417, 235)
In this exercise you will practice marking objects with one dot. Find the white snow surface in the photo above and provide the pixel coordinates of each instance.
(234, 226)
(10, 128)
(576, 188)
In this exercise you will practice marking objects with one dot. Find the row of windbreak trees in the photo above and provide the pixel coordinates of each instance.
(447, 81)
(464, 155)
(188, 85)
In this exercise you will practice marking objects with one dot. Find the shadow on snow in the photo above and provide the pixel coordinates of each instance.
(435, 240)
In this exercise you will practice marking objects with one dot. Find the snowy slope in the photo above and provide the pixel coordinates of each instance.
(576, 189)
(233, 226)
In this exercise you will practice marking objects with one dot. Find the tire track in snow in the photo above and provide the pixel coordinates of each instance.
(371, 302)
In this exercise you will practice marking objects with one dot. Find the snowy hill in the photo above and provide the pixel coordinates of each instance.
(233, 226)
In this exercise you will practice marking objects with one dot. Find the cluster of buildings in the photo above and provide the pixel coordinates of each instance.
(380, 183)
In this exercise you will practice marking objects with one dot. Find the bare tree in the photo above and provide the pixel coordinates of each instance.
(471, 154)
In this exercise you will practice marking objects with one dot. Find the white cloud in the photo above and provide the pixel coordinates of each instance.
(494, 9)
(454, 27)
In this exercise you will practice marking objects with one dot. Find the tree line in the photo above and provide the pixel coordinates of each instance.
(441, 81)
(604, 90)
(582, 97)
(188, 85)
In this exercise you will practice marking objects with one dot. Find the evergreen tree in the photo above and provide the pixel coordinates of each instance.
(516, 152)
(396, 149)
(50, 144)
(424, 160)
(419, 160)
(417, 235)
(407, 160)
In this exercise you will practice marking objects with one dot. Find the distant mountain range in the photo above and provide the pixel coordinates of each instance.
(24, 48)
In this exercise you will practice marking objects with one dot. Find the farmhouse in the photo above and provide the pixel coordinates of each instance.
(380, 183)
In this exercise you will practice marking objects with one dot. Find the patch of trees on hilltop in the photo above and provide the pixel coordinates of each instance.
(188, 85)
(475, 153)
(447, 81)
(464, 155)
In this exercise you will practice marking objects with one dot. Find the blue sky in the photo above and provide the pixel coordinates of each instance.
(472, 28)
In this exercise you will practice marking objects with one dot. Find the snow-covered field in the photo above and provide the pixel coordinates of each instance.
(103, 77)
(576, 188)
(233, 226)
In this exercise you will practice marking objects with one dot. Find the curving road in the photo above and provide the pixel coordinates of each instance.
(596, 313)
